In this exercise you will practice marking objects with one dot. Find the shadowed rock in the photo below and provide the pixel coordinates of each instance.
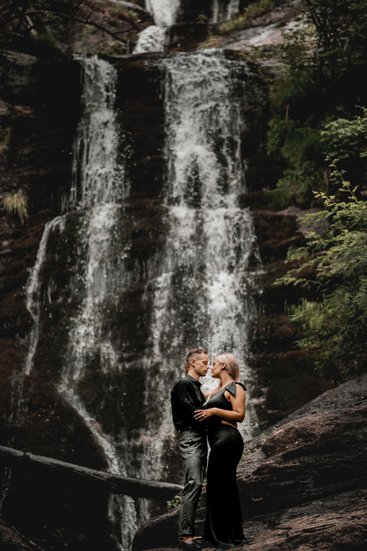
(302, 483)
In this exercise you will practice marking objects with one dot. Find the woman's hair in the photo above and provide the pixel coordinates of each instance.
(231, 363)
(193, 354)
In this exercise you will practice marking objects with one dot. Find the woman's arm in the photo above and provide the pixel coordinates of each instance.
(235, 416)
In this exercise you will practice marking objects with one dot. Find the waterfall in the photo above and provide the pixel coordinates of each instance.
(153, 38)
(35, 292)
(98, 192)
(223, 11)
(204, 293)
(34, 288)
(163, 11)
(198, 292)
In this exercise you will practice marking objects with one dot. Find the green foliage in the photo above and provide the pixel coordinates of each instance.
(296, 143)
(175, 502)
(330, 271)
(299, 146)
(202, 18)
(334, 322)
(346, 138)
(341, 29)
(294, 188)
(16, 203)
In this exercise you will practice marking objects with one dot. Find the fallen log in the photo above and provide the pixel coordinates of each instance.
(117, 484)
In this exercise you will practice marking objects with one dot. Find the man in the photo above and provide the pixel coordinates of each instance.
(186, 397)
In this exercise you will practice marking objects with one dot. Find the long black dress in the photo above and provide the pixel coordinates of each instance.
(223, 523)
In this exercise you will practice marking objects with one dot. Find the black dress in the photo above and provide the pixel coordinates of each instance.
(223, 523)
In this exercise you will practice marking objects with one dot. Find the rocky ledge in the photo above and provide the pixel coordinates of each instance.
(302, 482)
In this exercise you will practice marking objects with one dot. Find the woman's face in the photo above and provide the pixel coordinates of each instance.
(216, 369)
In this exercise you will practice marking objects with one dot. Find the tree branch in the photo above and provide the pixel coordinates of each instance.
(117, 484)
(84, 22)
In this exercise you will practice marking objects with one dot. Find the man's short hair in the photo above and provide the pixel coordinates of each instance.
(193, 355)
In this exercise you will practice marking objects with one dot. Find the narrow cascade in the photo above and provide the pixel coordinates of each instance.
(89, 231)
(34, 299)
(98, 191)
(224, 10)
(34, 288)
(204, 294)
(153, 38)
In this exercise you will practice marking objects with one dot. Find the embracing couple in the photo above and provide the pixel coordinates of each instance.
(210, 418)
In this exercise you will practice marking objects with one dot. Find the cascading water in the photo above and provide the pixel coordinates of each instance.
(200, 292)
(222, 11)
(204, 294)
(165, 12)
(96, 201)
(98, 191)
(153, 38)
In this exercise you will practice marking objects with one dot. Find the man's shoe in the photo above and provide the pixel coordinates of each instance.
(189, 544)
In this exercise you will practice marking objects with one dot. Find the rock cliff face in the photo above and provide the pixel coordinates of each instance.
(302, 483)
(284, 373)
(40, 116)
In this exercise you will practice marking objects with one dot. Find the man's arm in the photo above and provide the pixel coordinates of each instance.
(183, 401)
(238, 409)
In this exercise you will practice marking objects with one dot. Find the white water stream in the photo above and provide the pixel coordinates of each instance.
(203, 286)
(204, 294)
(223, 11)
(153, 38)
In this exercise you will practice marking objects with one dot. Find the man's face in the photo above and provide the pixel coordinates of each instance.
(200, 364)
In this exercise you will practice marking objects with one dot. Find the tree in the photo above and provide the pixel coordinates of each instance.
(27, 19)
(332, 269)
(341, 33)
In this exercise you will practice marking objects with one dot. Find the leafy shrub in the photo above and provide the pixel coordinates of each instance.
(300, 147)
(334, 321)
(16, 203)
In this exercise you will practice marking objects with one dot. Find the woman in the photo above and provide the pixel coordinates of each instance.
(223, 410)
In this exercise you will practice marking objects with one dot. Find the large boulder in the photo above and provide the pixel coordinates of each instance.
(302, 483)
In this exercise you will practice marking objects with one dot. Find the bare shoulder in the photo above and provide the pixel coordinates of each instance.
(240, 390)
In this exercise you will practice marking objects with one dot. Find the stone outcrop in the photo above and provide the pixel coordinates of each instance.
(285, 376)
(40, 116)
(302, 483)
(12, 540)
(265, 31)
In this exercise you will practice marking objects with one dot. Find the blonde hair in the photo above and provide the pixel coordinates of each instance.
(231, 363)
(193, 354)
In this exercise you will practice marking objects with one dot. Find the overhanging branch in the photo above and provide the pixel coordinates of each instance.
(116, 484)
(115, 35)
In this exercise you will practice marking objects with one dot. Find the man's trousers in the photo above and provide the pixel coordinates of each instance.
(193, 449)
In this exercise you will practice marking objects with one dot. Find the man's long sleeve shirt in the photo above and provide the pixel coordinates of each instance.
(186, 397)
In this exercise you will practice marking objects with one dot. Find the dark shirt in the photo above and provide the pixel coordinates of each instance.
(218, 400)
(186, 397)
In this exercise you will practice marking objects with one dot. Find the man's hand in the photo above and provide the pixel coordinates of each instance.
(201, 414)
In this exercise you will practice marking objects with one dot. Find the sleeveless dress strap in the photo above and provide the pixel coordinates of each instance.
(232, 387)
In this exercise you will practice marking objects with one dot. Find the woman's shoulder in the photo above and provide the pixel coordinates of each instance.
(232, 387)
